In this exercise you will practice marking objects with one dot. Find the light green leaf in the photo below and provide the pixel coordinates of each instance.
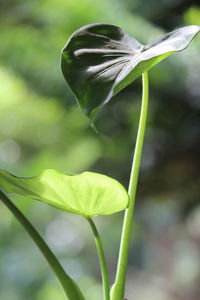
(87, 194)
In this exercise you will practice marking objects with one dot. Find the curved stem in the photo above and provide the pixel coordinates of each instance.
(119, 285)
(102, 260)
(70, 287)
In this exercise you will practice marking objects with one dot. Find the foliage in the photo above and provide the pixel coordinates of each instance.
(99, 60)
(38, 138)
(87, 194)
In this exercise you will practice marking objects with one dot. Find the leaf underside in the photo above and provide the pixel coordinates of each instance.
(87, 194)
(99, 60)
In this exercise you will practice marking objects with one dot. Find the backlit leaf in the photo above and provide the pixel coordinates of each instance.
(87, 194)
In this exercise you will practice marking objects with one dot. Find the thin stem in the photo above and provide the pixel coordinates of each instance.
(119, 285)
(70, 287)
(102, 261)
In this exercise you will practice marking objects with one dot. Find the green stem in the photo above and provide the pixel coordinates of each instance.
(104, 271)
(70, 287)
(119, 285)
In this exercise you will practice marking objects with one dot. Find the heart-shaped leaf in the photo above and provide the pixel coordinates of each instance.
(87, 194)
(101, 59)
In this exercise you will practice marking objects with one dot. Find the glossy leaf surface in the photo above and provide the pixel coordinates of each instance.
(87, 194)
(101, 59)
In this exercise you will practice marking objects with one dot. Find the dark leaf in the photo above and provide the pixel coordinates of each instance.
(101, 59)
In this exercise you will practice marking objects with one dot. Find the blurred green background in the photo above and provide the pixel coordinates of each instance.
(42, 127)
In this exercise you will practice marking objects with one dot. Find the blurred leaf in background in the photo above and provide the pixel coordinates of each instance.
(42, 127)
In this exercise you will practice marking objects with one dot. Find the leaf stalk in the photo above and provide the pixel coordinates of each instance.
(118, 288)
(70, 287)
(102, 261)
